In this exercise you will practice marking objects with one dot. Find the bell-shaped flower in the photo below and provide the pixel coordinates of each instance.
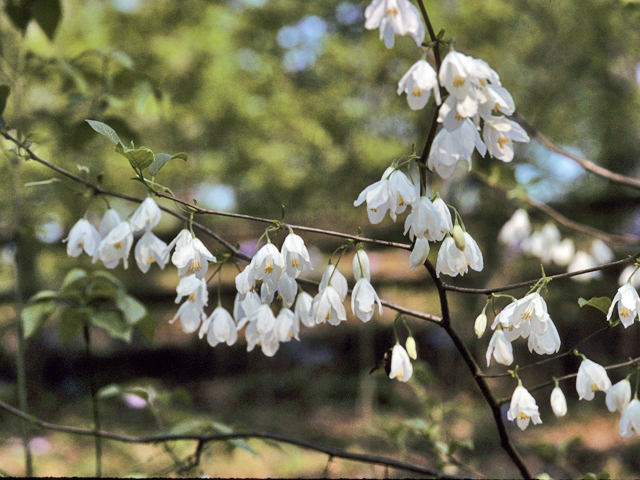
(562, 253)
(541, 243)
(583, 261)
(401, 367)
(497, 99)
(361, 265)
(402, 192)
(268, 264)
(244, 307)
(446, 225)
(191, 314)
(523, 408)
(418, 83)
(601, 252)
(110, 220)
(628, 303)
(327, 307)
(457, 75)
(115, 246)
(546, 343)
(245, 282)
(500, 348)
(82, 236)
(453, 261)
(423, 221)
(507, 321)
(591, 378)
(558, 402)
(630, 274)
(287, 288)
(222, 328)
(394, 17)
(194, 288)
(190, 256)
(146, 216)
(295, 255)
(287, 326)
(364, 299)
(516, 229)
(303, 309)
(450, 147)
(264, 318)
(419, 253)
(453, 113)
(499, 133)
(149, 249)
(393, 192)
(618, 396)
(630, 420)
(532, 309)
(333, 277)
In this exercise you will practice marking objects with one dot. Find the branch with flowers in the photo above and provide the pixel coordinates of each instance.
(469, 108)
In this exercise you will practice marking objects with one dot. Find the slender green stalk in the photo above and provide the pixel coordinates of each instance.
(94, 401)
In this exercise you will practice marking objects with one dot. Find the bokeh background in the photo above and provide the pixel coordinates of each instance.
(281, 102)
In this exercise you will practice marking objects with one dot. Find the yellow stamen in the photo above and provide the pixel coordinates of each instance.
(392, 12)
(295, 263)
(192, 297)
(416, 92)
(268, 269)
(373, 209)
(80, 245)
(195, 267)
(510, 328)
(400, 200)
(399, 375)
(496, 108)
(151, 259)
(457, 116)
(482, 82)
(328, 317)
(118, 246)
(624, 312)
(458, 81)
(594, 388)
(502, 141)
(526, 315)
(523, 416)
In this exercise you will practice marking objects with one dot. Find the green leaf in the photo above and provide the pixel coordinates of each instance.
(123, 59)
(72, 278)
(132, 310)
(102, 290)
(106, 130)
(113, 323)
(19, 12)
(109, 277)
(139, 158)
(44, 295)
(33, 315)
(147, 328)
(72, 321)
(108, 391)
(161, 158)
(4, 95)
(47, 13)
(601, 303)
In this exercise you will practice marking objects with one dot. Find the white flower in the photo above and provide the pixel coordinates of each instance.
(363, 300)
(327, 307)
(630, 420)
(333, 277)
(418, 83)
(562, 253)
(264, 318)
(523, 408)
(268, 264)
(287, 325)
(446, 225)
(464, 76)
(450, 147)
(453, 113)
(497, 99)
(419, 253)
(600, 252)
(394, 17)
(149, 249)
(583, 261)
(628, 304)
(541, 243)
(110, 220)
(194, 288)
(190, 315)
(546, 343)
(82, 236)
(591, 378)
(244, 307)
(499, 133)
(245, 282)
(619, 396)
(219, 327)
(361, 265)
(401, 367)
(393, 192)
(516, 229)
(558, 402)
(513, 327)
(303, 309)
(146, 216)
(480, 324)
(423, 221)
(412, 350)
(630, 274)
(501, 349)
(115, 246)
(533, 310)
(287, 288)
(192, 257)
(295, 255)
(453, 262)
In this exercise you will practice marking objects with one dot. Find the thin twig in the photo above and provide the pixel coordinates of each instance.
(93, 387)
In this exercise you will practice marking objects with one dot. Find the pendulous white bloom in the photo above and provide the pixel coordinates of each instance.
(394, 17)
(450, 147)
(480, 324)
(546, 343)
(419, 253)
(630, 420)
(401, 367)
(287, 288)
(219, 327)
(190, 256)
(446, 225)
(412, 350)
(541, 243)
(146, 216)
(558, 402)
(562, 253)
(532, 309)
(149, 249)
(523, 408)
(191, 314)
(264, 319)
(245, 282)
(268, 264)
(295, 255)
(303, 309)
(418, 83)
(628, 304)
(327, 307)
(516, 229)
(110, 220)
(287, 326)
(393, 192)
(501, 349)
(361, 265)
(499, 133)
(630, 274)
(452, 261)
(115, 246)
(591, 378)
(423, 221)
(364, 299)
(194, 288)
(600, 252)
(333, 277)
(82, 236)
(583, 261)
(619, 396)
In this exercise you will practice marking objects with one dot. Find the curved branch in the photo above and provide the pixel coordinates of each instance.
(202, 439)
(583, 162)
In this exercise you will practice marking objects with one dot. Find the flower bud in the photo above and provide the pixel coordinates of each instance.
(480, 325)
(411, 348)
(558, 403)
(458, 237)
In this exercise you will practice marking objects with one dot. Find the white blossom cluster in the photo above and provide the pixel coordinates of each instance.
(546, 244)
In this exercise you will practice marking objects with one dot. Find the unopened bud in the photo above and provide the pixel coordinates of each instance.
(458, 237)
(481, 324)
(411, 348)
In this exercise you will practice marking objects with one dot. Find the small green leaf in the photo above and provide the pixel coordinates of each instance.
(72, 278)
(19, 12)
(109, 277)
(132, 310)
(161, 158)
(147, 328)
(102, 291)
(113, 323)
(44, 295)
(106, 130)
(123, 59)
(139, 158)
(601, 303)
(108, 391)
(71, 322)
(47, 13)
(4, 95)
(33, 315)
